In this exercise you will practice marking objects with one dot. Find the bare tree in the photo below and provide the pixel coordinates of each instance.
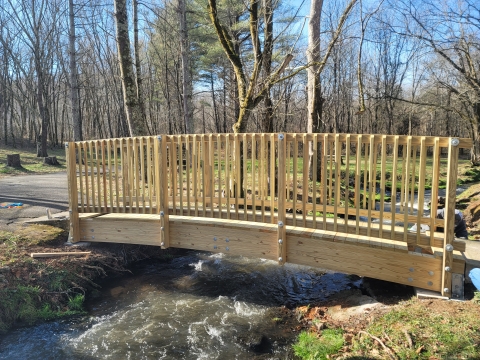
(74, 89)
(186, 82)
(248, 95)
(452, 34)
(132, 109)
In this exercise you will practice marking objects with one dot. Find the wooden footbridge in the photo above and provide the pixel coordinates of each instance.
(251, 195)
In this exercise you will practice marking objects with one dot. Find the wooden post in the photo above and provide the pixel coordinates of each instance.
(450, 216)
(74, 234)
(435, 181)
(161, 160)
(282, 227)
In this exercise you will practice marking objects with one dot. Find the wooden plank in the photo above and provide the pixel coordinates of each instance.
(195, 173)
(421, 183)
(261, 175)
(163, 198)
(99, 189)
(365, 174)
(347, 179)
(80, 174)
(394, 185)
(405, 181)
(117, 172)
(130, 172)
(281, 232)
(92, 176)
(228, 179)
(134, 171)
(324, 180)
(435, 186)
(85, 162)
(295, 179)
(314, 165)
(59, 254)
(413, 178)
(180, 167)
(383, 174)
(175, 167)
(149, 172)
(338, 161)
(237, 168)
(272, 161)
(142, 174)
(110, 182)
(188, 156)
(372, 171)
(104, 174)
(330, 174)
(365, 261)
(244, 238)
(211, 171)
(305, 179)
(204, 170)
(447, 261)
(254, 173)
(245, 175)
(122, 230)
(219, 163)
(124, 161)
(358, 175)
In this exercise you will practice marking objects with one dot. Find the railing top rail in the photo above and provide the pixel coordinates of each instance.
(465, 143)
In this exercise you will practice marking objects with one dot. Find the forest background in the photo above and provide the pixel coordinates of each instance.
(90, 69)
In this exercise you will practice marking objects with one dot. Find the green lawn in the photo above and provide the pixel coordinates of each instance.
(31, 164)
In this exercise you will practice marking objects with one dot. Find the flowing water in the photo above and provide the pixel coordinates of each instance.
(197, 306)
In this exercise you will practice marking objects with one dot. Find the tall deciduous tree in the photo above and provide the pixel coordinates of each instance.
(132, 109)
(74, 90)
(316, 66)
(138, 65)
(186, 81)
(452, 33)
(248, 94)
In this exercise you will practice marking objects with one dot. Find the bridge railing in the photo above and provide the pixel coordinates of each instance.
(372, 185)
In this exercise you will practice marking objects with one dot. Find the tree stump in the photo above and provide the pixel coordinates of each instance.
(13, 160)
(50, 160)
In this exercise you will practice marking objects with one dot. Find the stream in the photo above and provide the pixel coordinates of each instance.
(197, 306)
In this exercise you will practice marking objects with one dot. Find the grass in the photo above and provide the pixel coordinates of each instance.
(311, 347)
(33, 291)
(412, 329)
(415, 331)
(34, 235)
(31, 164)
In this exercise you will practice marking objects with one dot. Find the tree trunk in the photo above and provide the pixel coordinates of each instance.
(74, 89)
(132, 111)
(314, 97)
(476, 135)
(42, 149)
(186, 81)
(138, 67)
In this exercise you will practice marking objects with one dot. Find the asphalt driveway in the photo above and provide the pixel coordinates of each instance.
(36, 193)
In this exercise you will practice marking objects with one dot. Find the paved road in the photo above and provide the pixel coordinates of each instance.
(36, 192)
